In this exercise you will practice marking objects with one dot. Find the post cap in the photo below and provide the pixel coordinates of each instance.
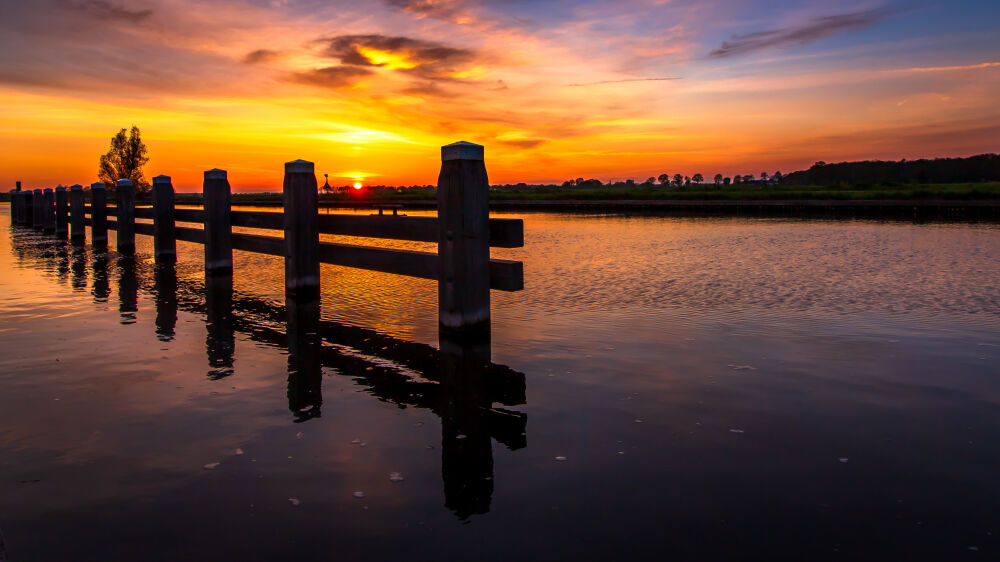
(215, 174)
(97, 185)
(299, 167)
(38, 190)
(124, 183)
(76, 187)
(461, 150)
(47, 190)
(161, 179)
(60, 188)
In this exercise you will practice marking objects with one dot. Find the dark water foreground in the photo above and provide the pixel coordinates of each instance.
(664, 388)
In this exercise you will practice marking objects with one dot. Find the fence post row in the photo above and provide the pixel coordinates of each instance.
(76, 222)
(126, 216)
(98, 215)
(38, 209)
(301, 221)
(218, 223)
(62, 211)
(464, 245)
(165, 238)
(49, 206)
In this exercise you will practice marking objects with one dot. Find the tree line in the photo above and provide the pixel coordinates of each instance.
(974, 169)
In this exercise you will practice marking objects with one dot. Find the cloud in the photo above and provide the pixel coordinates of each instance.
(979, 66)
(99, 9)
(448, 10)
(625, 80)
(522, 143)
(260, 55)
(815, 29)
(332, 76)
(426, 59)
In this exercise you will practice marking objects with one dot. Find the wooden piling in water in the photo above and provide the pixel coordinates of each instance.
(37, 209)
(218, 223)
(301, 217)
(126, 216)
(464, 244)
(164, 237)
(49, 210)
(62, 211)
(98, 215)
(76, 222)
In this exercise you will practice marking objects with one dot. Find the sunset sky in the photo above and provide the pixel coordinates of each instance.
(553, 89)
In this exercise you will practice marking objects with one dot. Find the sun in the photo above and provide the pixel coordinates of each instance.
(357, 185)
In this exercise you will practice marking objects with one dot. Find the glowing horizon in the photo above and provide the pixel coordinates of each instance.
(593, 89)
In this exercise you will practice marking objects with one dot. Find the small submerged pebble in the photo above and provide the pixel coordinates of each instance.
(460, 436)
(355, 441)
(395, 477)
(358, 494)
(299, 435)
(842, 459)
(212, 466)
(294, 501)
(560, 458)
(238, 452)
(742, 367)
(735, 431)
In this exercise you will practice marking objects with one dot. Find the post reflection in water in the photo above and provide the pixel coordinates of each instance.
(101, 289)
(165, 286)
(128, 290)
(220, 343)
(458, 383)
(78, 269)
(305, 373)
(62, 253)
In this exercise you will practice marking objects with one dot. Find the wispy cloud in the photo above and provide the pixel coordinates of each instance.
(332, 76)
(813, 30)
(979, 66)
(100, 9)
(260, 55)
(624, 80)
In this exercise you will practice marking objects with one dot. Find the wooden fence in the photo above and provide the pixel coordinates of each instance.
(463, 231)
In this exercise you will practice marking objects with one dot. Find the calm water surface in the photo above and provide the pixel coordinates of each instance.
(664, 388)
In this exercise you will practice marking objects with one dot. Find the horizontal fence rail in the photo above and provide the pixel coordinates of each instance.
(462, 230)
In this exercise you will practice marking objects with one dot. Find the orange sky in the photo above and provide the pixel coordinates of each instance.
(554, 90)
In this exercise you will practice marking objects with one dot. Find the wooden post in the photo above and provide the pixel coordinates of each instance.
(62, 211)
(98, 215)
(37, 209)
(300, 200)
(218, 223)
(49, 206)
(464, 244)
(164, 240)
(27, 218)
(76, 221)
(126, 216)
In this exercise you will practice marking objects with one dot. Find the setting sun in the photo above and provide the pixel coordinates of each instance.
(357, 185)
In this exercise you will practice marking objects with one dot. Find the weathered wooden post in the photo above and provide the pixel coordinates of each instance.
(37, 209)
(300, 200)
(27, 212)
(15, 204)
(62, 211)
(126, 216)
(76, 222)
(218, 223)
(164, 237)
(49, 204)
(464, 244)
(13, 207)
(98, 215)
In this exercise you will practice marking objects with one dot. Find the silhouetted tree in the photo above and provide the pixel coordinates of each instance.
(737, 179)
(747, 178)
(650, 180)
(125, 160)
(763, 176)
(726, 181)
(678, 180)
(697, 178)
(664, 179)
(777, 176)
(718, 179)
(326, 184)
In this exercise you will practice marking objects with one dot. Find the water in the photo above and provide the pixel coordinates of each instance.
(664, 388)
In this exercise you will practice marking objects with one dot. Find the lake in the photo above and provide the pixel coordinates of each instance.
(664, 388)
